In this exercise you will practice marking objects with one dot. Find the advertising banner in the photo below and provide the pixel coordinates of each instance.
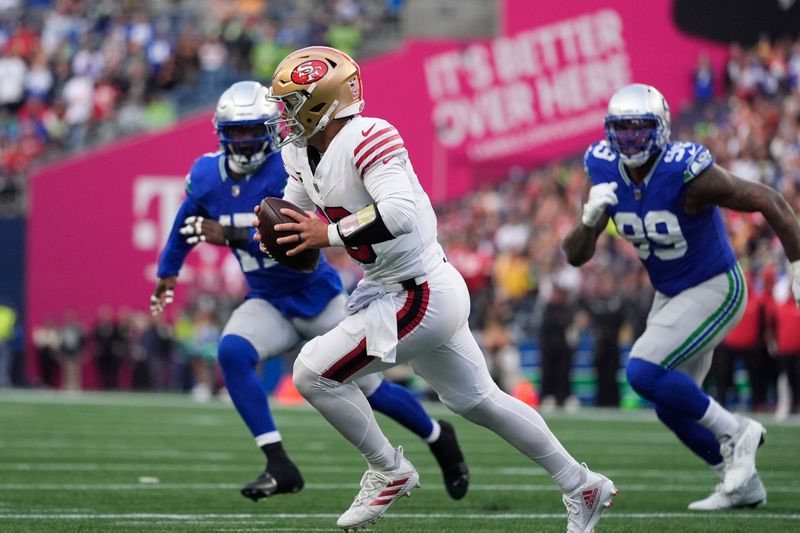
(468, 112)
(471, 110)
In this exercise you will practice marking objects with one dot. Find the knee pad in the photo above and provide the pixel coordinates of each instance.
(469, 405)
(235, 352)
(643, 376)
(667, 416)
(307, 381)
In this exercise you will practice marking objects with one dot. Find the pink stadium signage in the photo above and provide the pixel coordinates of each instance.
(468, 111)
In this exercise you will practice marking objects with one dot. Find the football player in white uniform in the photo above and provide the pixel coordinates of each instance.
(412, 305)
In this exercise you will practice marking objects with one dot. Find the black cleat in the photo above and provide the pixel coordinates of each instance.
(451, 461)
(276, 479)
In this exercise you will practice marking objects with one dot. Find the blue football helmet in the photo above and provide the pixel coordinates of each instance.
(244, 121)
(637, 123)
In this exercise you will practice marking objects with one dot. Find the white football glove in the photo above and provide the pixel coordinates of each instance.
(193, 230)
(600, 196)
(796, 281)
(157, 304)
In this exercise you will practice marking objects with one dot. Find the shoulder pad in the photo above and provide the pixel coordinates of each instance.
(597, 154)
(204, 170)
(290, 161)
(697, 163)
(375, 140)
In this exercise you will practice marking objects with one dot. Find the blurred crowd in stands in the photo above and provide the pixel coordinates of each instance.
(505, 239)
(79, 72)
(76, 71)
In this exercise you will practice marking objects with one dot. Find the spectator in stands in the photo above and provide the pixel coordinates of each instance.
(745, 343)
(158, 345)
(71, 342)
(8, 319)
(110, 344)
(605, 305)
(502, 355)
(47, 344)
(203, 354)
(556, 344)
(787, 347)
(703, 80)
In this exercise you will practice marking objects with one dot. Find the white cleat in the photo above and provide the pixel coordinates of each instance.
(739, 453)
(751, 494)
(586, 503)
(378, 491)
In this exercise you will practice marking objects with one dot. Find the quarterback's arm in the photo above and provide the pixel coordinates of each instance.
(393, 213)
(176, 249)
(296, 193)
(581, 241)
(717, 186)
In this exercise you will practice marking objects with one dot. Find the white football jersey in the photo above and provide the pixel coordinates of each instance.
(361, 150)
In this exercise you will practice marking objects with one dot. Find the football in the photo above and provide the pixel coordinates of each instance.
(269, 215)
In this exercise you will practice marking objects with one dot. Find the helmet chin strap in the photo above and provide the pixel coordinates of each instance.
(323, 122)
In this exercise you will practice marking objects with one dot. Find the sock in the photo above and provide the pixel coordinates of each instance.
(572, 477)
(522, 427)
(383, 460)
(696, 437)
(345, 408)
(436, 432)
(668, 388)
(719, 470)
(398, 403)
(718, 420)
(275, 453)
(238, 359)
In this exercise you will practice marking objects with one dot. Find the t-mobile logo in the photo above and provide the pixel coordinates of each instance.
(151, 225)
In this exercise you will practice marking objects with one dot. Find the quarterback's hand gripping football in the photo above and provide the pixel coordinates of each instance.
(163, 294)
(200, 229)
(312, 232)
(600, 196)
(796, 281)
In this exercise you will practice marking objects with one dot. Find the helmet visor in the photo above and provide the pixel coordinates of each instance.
(248, 142)
(631, 136)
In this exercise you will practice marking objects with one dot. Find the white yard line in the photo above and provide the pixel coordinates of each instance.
(697, 474)
(547, 487)
(178, 517)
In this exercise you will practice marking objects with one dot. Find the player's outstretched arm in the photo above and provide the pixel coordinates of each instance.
(172, 257)
(580, 243)
(717, 186)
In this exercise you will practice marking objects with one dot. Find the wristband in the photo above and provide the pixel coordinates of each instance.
(236, 237)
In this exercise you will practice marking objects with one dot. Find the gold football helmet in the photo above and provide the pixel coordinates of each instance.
(315, 84)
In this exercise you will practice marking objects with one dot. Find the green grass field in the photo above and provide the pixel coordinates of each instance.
(126, 462)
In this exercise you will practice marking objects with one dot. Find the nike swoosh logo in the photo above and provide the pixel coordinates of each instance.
(368, 131)
(387, 159)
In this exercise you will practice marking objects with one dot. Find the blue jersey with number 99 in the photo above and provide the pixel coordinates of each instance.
(678, 250)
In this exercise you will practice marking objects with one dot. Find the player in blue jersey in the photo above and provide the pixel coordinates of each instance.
(664, 198)
(283, 307)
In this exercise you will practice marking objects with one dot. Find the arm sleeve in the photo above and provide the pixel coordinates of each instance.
(390, 187)
(176, 249)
